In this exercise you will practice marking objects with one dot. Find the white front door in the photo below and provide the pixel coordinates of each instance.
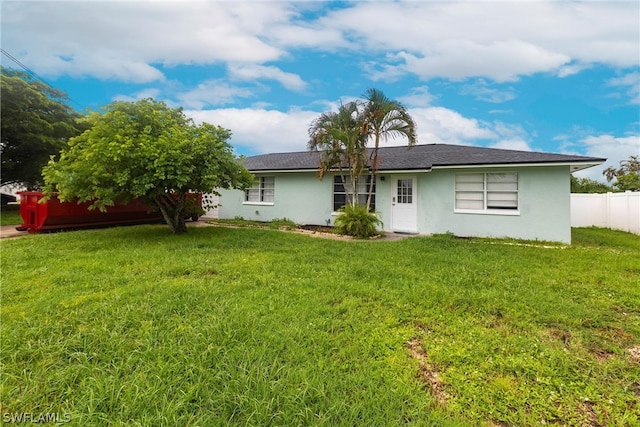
(404, 206)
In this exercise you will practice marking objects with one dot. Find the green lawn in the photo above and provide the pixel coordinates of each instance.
(134, 326)
(10, 215)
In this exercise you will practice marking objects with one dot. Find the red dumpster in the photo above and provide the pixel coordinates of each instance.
(56, 215)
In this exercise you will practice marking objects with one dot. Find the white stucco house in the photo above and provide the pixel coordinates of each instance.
(428, 189)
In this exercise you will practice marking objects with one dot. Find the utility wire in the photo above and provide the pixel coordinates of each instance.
(33, 73)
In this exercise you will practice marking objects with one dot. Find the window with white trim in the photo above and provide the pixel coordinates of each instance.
(487, 191)
(262, 191)
(340, 194)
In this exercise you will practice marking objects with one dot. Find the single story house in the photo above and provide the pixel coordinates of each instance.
(427, 189)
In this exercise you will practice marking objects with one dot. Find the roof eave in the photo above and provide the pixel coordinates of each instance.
(585, 165)
(282, 170)
(574, 166)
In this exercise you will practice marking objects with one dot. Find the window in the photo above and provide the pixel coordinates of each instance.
(340, 195)
(405, 191)
(261, 192)
(487, 191)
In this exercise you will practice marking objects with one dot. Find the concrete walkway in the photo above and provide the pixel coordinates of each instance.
(9, 231)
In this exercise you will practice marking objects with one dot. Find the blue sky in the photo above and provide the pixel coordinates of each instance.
(556, 76)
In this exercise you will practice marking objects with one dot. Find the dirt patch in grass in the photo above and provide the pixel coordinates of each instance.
(635, 353)
(587, 408)
(601, 355)
(562, 335)
(316, 228)
(428, 374)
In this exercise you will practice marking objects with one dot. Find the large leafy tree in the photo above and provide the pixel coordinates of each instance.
(627, 176)
(36, 123)
(145, 150)
(384, 118)
(343, 146)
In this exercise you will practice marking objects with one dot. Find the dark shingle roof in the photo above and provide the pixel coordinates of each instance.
(422, 157)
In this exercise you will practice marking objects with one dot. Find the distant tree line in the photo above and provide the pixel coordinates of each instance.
(626, 177)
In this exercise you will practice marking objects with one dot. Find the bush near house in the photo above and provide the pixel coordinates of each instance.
(357, 221)
(259, 327)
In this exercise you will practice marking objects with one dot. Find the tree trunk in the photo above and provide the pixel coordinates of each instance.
(374, 169)
(354, 188)
(348, 199)
(172, 211)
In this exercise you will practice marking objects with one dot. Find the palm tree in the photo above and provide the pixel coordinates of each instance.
(338, 135)
(627, 175)
(384, 118)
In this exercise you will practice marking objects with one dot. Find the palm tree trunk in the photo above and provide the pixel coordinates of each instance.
(348, 199)
(374, 169)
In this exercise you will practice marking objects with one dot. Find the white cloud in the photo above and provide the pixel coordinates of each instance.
(512, 144)
(309, 35)
(418, 97)
(253, 72)
(501, 60)
(631, 82)
(571, 69)
(496, 40)
(442, 125)
(260, 130)
(510, 137)
(500, 41)
(482, 91)
(123, 40)
(613, 148)
(143, 94)
(212, 93)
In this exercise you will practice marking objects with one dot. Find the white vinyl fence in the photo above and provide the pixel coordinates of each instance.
(620, 211)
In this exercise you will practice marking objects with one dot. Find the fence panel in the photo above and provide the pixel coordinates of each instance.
(620, 211)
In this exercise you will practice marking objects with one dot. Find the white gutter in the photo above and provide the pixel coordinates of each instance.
(398, 171)
(575, 166)
(281, 170)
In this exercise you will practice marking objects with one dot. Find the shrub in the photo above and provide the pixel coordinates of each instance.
(357, 221)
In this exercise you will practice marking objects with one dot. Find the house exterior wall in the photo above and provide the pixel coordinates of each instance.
(543, 205)
(299, 196)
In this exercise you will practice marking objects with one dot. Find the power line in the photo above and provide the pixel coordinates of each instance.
(33, 73)
(24, 67)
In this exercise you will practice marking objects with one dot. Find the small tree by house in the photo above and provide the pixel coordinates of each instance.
(145, 150)
(339, 137)
(343, 136)
(384, 118)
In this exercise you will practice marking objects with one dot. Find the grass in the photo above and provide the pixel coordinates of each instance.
(10, 215)
(134, 326)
